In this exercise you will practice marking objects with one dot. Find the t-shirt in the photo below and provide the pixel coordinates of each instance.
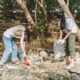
(70, 25)
(10, 32)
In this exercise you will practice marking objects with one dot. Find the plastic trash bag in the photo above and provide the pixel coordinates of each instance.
(58, 50)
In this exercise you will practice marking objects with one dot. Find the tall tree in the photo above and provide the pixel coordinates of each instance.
(40, 3)
(22, 4)
(65, 8)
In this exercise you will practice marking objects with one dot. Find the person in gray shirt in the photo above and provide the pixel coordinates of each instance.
(10, 45)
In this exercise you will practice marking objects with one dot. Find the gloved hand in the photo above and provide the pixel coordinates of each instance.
(62, 41)
(24, 55)
(59, 41)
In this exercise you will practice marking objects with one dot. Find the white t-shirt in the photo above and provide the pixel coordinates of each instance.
(70, 25)
(10, 32)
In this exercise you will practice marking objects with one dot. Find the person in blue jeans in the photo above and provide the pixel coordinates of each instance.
(10, 45)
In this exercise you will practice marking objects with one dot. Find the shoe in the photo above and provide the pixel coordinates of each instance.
(70, 66)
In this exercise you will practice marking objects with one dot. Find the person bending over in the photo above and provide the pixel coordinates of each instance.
(10, 45)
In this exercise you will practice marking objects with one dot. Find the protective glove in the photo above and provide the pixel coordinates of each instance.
(59, 41)
(24, 55)
(62, 41)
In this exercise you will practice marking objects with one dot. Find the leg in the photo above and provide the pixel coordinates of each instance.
(72, 38)
(66, 49)
(7, 44)
(14, 51)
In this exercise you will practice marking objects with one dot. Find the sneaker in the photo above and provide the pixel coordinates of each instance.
(70, 66)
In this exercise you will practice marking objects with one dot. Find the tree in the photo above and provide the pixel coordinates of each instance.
(65, 8)
(23, 6)
(40, 3)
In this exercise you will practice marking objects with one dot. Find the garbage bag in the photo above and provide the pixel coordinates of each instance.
(58, 50)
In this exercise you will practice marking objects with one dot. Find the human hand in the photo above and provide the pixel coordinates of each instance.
(59, 41)
(24, 55)
(62, 41)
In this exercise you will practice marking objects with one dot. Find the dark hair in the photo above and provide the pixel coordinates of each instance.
(62, 26)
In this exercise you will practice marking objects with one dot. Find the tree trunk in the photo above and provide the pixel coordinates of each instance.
(21, 3)
(36, 13)
(43, 9)
(65, 8)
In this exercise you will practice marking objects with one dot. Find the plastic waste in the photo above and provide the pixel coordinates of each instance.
(11, 67)
(38, 58)
(27, 62)
(58, 50)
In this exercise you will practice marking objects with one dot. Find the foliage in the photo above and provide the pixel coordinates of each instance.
(50, 6)
(74, 5)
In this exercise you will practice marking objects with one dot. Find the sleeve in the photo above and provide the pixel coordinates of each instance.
(70, 24)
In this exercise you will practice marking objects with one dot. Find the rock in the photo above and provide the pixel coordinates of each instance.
(46, 79)
(0, 73)
(30, 51)
(77, 60)
(54, 78)
(46, 65)
(24, 73)
(45, 58)
(38, 58)
(22, 79)
(43, 54)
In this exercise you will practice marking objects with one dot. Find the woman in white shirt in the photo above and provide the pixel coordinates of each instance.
(10, 45)
(68, 32)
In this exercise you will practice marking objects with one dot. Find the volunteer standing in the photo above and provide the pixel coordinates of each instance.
(68, 33)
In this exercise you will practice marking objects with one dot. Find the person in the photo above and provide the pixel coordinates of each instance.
(68, 32)
(10, 45)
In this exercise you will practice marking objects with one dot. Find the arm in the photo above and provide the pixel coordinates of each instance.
(67, 35)
(61, 34)
(22, 44)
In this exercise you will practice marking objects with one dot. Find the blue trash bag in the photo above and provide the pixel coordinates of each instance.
(21, 55)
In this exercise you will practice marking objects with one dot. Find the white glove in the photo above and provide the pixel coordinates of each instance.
(24, 54)
(62, 41)
(59, 41)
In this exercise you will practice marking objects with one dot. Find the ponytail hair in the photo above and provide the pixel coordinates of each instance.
(62, 26)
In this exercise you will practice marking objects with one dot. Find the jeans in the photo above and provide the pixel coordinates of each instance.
(10, 45)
